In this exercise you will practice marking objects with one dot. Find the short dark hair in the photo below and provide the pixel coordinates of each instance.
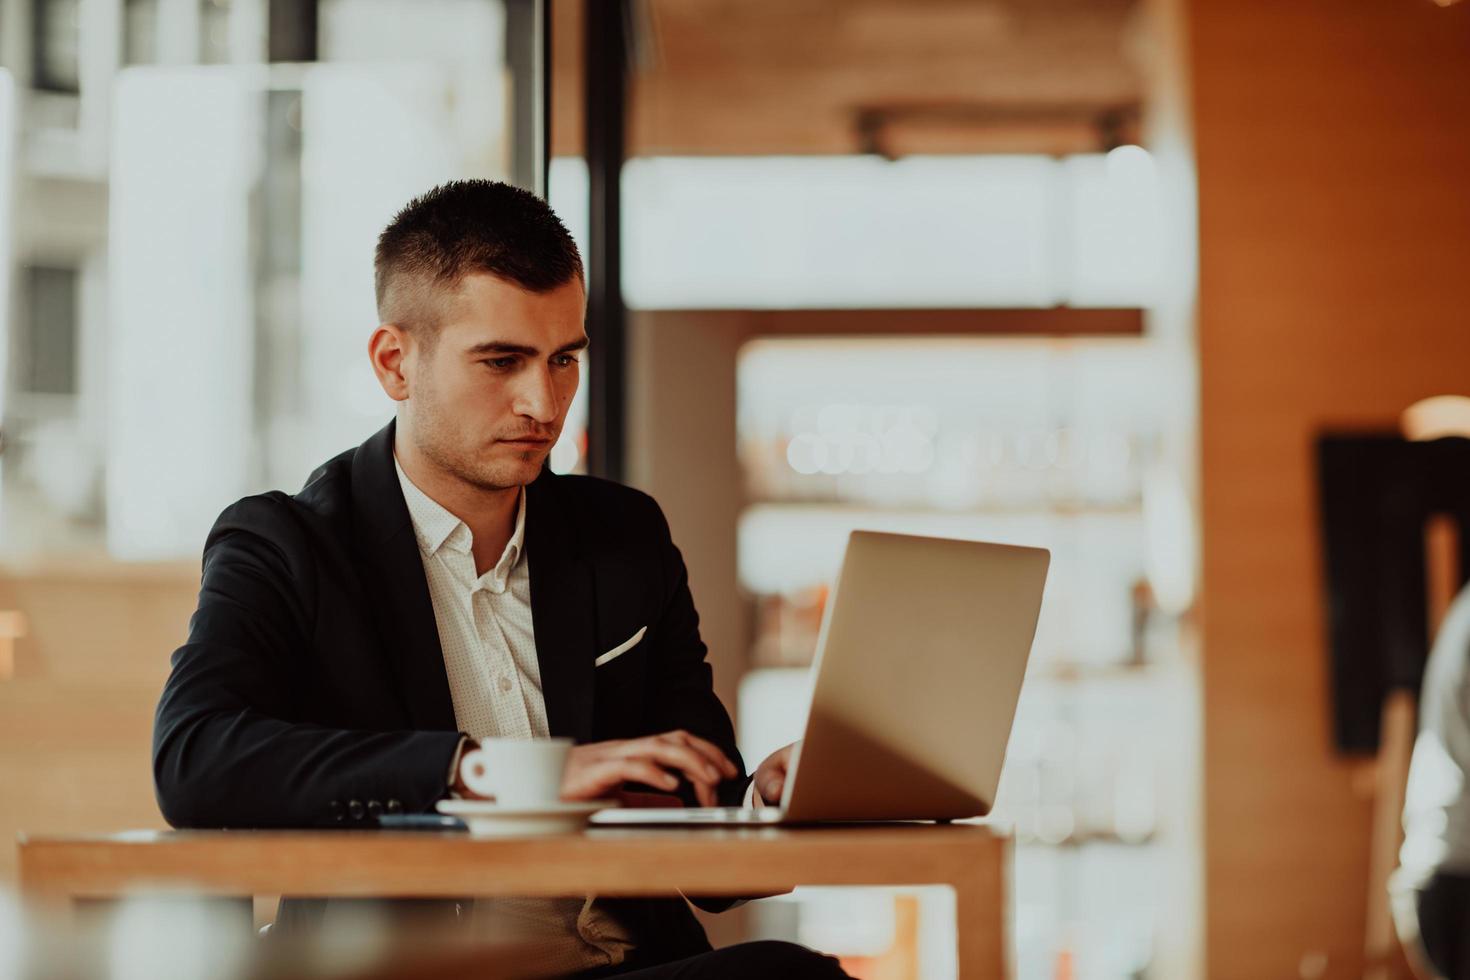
(468, 226)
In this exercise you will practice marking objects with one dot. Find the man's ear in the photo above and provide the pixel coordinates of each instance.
(388, 349)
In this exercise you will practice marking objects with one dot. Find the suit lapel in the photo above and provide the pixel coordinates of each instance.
(563, 597)
(563, 604)
(393, 574)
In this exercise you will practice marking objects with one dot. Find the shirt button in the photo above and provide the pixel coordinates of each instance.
(504, 684)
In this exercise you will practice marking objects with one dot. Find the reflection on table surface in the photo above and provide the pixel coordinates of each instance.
(179, 936)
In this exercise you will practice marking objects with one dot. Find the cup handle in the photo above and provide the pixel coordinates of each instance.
(475, 773)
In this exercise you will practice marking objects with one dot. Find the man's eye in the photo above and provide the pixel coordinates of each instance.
(566, 360)
(501, 362)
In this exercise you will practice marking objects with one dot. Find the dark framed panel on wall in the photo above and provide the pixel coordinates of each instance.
(606, 30)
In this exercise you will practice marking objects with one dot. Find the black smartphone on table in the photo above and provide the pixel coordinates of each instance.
(420, 821)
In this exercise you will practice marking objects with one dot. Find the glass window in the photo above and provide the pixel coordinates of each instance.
(228, 210)
(48, 354)
(214, 32)
(140, 32)
(56, 29)
(850, 232)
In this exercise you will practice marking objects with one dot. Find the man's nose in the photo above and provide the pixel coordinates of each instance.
(536, 395)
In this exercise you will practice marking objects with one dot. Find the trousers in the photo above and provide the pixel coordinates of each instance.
(1444, 924)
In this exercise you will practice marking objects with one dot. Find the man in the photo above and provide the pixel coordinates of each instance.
(437, 584)
(1431, 888)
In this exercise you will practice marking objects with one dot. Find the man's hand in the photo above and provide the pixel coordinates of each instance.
(598, 769)
(770, 776)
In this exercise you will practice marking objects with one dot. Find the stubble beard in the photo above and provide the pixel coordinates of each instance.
(437, 444)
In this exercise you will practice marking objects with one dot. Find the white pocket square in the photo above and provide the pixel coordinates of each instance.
(621, 648)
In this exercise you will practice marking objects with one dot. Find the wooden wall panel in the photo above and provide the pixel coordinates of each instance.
(76, 720)
(714, 77)
(1334, 178)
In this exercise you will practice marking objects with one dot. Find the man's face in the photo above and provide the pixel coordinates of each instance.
(489, 393)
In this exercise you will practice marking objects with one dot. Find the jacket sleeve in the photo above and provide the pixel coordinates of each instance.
(230, 746)
(683, 695)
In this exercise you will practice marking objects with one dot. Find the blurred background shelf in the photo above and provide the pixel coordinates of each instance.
(1081, 446)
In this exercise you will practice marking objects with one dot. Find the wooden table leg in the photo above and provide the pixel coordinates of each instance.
(980, 918)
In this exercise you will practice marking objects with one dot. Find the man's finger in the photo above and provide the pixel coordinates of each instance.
(593, 779)
(706, 748)
(701, 774)
(639, 771)
(676, 756)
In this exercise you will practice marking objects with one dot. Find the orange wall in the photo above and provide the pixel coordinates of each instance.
(76, 720)
(1333, 142)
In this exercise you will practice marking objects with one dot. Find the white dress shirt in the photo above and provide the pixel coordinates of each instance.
(489, 646)
(1437, 798)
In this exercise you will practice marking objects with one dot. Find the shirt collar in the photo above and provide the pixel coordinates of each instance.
(435, 527)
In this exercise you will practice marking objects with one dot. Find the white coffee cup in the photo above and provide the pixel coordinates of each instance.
(517, 771)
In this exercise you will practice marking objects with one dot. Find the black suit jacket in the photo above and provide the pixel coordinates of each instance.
(312, 692)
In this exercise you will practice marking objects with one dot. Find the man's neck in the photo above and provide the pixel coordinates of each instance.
(489, 514)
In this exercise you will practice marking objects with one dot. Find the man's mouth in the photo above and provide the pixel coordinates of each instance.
(529, 442)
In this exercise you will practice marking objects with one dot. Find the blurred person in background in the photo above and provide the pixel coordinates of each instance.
(439, 584)
(1431, 888)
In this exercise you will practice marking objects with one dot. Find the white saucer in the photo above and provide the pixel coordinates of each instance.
(489, 819)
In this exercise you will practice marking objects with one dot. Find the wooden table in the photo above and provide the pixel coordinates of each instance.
(607, 861)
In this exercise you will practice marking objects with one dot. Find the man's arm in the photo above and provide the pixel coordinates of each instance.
(229, 749)
(683, 696)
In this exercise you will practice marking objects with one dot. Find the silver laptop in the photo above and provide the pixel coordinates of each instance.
(919, 665)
